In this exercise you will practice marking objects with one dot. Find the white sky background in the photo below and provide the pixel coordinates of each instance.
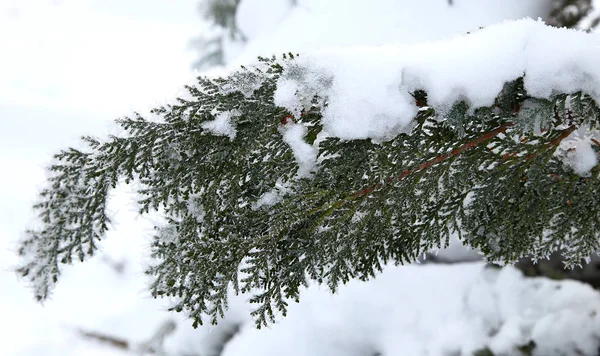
(67, 68)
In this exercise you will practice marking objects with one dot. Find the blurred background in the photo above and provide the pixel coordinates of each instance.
(70, 67)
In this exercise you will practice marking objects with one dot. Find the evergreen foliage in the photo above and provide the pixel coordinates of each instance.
(491, 175)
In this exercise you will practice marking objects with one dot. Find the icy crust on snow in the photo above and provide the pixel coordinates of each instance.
(426, 310)
(368, 89)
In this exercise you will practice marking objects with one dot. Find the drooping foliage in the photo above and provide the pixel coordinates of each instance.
(239, 215)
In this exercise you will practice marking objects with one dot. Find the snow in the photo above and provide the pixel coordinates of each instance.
(432, 310)
(305, 154)
(367, 89)
(221, 125)
(77, 65)
(576, 151)
(362, 93)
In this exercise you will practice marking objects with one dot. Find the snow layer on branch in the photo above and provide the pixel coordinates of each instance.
(367, 89)
(576, 151)
(221, 125)
(305, 154)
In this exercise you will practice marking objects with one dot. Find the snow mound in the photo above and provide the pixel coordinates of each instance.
(429, 310)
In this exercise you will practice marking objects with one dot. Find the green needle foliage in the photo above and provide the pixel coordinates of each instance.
(491, 175)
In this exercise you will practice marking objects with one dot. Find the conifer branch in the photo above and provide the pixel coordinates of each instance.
(239, 217)
(476, 142)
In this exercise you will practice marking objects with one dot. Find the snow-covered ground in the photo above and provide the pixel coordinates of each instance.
(69, 67)
(433, 310)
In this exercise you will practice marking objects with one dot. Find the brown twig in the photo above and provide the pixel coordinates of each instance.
(106, 339)
(471, 144)
(556, 141)
(474, 143)
(562, 136)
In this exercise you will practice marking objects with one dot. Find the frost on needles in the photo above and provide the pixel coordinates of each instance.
(328, 166)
